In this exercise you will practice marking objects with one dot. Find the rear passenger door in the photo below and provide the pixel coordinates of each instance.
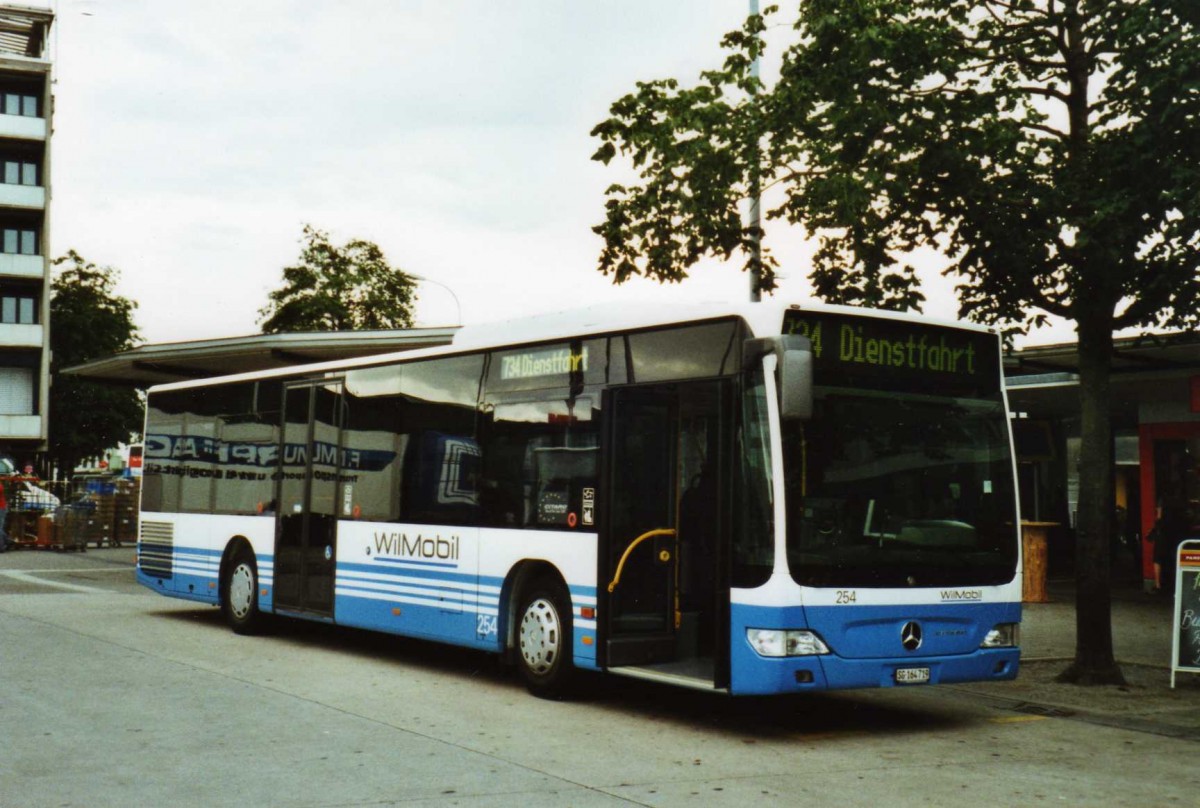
(306, 527)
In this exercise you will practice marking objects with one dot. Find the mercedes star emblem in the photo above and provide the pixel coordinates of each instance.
(910, 636)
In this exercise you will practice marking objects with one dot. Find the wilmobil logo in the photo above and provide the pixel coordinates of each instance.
(425, 548)
(961, 595)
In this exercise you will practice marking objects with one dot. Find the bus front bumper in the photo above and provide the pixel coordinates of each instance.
(752, 674)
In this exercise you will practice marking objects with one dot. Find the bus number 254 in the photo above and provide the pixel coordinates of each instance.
(485, 625)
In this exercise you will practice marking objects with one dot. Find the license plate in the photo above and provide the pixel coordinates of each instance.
(912, 676)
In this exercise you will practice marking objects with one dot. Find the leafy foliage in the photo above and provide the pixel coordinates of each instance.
(698, 151)
(88, 320)
(336, 288)
(1048, 149)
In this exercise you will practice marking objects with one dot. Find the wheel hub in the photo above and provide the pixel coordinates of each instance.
(241, 590)
(541, 635)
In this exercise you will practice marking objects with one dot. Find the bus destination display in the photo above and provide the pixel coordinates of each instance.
(894, 354)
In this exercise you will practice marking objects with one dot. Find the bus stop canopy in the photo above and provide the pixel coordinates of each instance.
(1146, 370)
(165, 362)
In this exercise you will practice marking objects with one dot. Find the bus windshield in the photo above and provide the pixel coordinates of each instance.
(900, 489)
(903, 476)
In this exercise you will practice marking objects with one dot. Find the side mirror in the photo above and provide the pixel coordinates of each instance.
(793, 374)
(795, 377)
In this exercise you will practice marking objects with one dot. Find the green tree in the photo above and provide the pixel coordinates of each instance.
(88, 320)
(334, 288)
(1048, 149)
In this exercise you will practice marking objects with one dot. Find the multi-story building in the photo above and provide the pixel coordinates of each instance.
(25, 113)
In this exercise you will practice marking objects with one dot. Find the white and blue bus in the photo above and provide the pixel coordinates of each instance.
(751, 499)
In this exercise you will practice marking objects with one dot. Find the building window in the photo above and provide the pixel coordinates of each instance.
(18, 309)
(16, 391)
(19, 241)
(20, 172)
(21, 104)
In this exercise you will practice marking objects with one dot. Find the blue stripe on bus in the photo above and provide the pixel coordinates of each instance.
(203, 552)
(414, 591)
(194, 572)
(414, 620)
(419, 572)
(417, 563)
(184, 585)
(396, 583)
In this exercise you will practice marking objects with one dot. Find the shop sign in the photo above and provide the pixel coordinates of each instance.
(1185, 647)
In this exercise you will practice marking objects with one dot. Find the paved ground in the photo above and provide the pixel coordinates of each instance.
(111, 695)
(1142, 644)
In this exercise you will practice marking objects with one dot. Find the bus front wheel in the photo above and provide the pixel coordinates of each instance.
(239, 594)
(544, 640)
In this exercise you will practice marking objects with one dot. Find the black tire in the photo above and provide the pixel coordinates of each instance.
(544, 640)
(239, 594)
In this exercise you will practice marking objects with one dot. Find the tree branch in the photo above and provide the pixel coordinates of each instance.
(1060, 30)
(796, 173)
(1041, 64)
(1050, 130)
(1005, 6)
(1048, 92)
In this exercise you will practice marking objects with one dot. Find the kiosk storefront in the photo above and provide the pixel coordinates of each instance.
(1156, 449)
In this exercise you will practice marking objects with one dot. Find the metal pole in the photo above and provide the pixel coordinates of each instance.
(457, 305)
(755, 200)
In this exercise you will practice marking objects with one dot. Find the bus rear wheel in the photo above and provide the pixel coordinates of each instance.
(239, 594)
(544, 640)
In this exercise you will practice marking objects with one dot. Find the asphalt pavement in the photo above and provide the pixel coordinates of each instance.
(1142, 633)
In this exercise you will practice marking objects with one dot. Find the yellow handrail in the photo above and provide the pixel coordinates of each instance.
(650, 534)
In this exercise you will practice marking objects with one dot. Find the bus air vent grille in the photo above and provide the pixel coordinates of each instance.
(156, 549)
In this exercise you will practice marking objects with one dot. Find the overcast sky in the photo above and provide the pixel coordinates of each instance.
(193, 141)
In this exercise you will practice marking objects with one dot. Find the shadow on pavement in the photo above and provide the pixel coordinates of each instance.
(811, 716)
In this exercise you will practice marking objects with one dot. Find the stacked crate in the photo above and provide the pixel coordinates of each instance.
(70, 528)
(88, 510)
(125, 515)
(101, 501)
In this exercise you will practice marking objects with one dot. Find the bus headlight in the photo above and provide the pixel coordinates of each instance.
(1004, 635)
(779, 643)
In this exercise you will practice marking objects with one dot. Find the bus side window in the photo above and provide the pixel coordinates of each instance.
(440, 400)
(190, 452)
(411, 429)
(537, 457)
(441, 478)
(373, 436)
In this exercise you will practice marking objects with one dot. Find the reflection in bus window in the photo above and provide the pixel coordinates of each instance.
(888, 488)
(414, 428)
(538, 457)
(201, 451)
(696, 352)
(754, 525)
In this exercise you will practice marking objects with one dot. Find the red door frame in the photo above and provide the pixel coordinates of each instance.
(1147, 435)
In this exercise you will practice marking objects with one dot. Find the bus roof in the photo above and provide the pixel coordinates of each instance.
(764, 319)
